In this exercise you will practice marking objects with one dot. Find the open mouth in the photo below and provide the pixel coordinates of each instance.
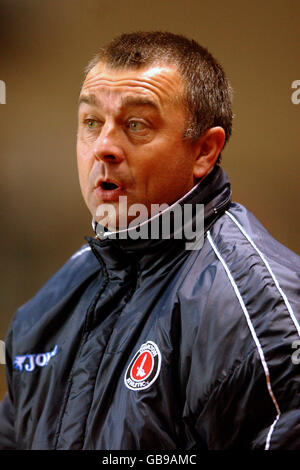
(109, 186)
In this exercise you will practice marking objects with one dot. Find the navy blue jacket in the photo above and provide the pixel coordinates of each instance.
(147, 345)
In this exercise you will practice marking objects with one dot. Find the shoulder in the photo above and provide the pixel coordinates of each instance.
(240, 296)
(240, 227)
(241, 263)
(252, 258)
(63, 283)
(240, 319)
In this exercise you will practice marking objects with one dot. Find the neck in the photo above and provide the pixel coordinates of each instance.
(103, 232)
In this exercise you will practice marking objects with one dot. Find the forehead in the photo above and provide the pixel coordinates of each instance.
(160, 83)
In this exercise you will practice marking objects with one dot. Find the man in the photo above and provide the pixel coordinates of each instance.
(141, 343)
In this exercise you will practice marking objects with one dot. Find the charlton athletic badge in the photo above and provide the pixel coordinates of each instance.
(144, 368)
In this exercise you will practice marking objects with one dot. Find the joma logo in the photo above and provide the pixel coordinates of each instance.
(29, 362)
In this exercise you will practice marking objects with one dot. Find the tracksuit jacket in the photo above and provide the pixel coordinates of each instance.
(143, 344)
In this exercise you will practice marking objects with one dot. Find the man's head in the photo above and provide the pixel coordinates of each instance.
(154, 114)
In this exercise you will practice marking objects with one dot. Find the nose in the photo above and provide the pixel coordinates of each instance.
(108, 146)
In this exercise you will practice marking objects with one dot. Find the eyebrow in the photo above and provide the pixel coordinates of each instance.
(88, 99)
(138, 101)
(126, 101)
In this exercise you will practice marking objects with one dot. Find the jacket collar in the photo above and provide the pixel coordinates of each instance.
(213, 192)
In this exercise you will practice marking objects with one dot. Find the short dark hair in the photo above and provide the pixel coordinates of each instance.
(208, 94)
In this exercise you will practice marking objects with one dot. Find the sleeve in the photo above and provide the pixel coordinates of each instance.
(240, 412)
(284, 433)
(239, 374)
(7, 435)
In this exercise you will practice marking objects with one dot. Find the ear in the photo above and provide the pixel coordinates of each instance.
(207, 150)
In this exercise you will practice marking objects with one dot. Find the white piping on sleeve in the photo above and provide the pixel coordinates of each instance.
(252, 330)
(288, 306)
(78, 253)
(267, 446)
(285, 299)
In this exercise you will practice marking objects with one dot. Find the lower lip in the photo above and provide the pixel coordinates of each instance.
(109, 194)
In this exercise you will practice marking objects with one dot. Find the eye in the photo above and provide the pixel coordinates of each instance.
(136, 126)
(91, 123)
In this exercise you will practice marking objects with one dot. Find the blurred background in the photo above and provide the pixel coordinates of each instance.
(44, 47)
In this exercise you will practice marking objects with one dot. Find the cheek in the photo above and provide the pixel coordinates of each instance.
(83, 165)
(82, 151)
(169, 175)
(165, 163)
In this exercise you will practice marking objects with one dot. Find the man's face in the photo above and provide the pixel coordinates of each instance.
(130, 138)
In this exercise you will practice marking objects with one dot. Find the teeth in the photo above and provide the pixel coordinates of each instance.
(107, 185)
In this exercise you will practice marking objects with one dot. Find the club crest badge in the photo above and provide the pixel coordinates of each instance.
(144, 368)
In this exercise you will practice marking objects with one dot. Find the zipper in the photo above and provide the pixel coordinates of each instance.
(84, 335)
